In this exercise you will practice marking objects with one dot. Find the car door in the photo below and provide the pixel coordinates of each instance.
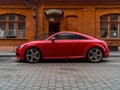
(62, 47)
(81, 44)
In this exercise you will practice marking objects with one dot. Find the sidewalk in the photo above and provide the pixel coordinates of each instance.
(114, 53)
(12, 54)
(7, 51)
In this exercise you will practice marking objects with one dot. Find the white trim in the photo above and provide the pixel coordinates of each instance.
(52, 11)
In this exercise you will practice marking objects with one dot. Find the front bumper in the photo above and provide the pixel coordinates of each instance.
(19, 54)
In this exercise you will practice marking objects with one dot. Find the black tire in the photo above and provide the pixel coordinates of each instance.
(95, 55)
(33, 55)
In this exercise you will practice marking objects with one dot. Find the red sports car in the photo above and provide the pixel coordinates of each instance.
(64, 45)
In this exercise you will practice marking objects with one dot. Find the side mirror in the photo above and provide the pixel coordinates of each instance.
(53, 39)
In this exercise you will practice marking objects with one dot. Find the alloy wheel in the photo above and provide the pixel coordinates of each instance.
(95, 55)
(33, 55)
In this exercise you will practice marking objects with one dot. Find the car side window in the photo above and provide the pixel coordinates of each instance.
(64, 36)
(69, 36)
(78, 37)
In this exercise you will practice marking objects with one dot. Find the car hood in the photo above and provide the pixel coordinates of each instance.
(32, 42)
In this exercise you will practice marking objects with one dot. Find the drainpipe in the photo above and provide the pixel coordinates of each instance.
(36, 33)
(36, 15)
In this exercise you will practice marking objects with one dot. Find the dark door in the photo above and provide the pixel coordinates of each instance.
(54, 27)
(59, 49)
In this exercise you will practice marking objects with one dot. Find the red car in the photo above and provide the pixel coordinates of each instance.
(64, 45)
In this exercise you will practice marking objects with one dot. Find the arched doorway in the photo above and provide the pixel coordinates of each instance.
(54, 16)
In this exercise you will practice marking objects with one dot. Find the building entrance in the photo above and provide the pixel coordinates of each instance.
(54, 27)
(54, 16)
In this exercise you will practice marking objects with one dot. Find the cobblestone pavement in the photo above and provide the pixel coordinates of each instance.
(59, 75)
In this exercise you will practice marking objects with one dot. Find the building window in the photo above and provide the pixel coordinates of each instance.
(12, 26)
(109, 26)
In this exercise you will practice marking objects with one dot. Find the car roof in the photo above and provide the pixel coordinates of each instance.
(73, 32)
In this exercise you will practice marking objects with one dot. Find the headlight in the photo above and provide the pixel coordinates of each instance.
(21, 46)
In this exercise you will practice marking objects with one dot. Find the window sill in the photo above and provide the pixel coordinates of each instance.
(13, 39)
(109, 39)
(10, 36)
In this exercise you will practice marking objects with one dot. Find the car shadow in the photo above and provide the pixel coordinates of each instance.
(65, 61)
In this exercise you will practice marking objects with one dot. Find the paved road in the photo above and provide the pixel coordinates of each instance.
(61, 75)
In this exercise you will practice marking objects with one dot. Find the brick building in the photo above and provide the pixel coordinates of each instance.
(25, 20)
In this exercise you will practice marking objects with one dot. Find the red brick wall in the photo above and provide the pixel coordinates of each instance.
(86, 17)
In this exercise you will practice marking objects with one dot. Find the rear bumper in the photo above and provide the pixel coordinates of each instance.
(106, 55)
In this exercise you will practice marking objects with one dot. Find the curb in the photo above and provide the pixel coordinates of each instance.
(114, 56)
(7, 55)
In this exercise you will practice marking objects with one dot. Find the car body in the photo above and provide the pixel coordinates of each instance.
(64, 45)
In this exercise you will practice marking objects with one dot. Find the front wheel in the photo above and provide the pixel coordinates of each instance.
(33, 55)
(95, 55)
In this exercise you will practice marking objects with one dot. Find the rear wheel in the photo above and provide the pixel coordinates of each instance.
(95, 55)
(33, 55)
